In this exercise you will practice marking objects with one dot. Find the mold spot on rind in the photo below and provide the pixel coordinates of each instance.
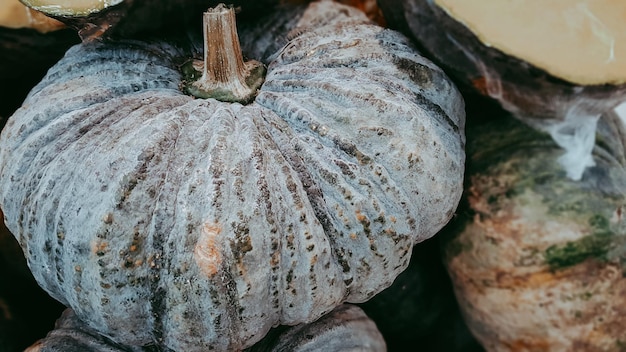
(417, 72)
(596, 246)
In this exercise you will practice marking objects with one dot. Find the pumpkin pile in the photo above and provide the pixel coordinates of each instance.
(268, 175)
(536, 254)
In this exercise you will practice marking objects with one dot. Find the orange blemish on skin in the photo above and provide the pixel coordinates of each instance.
(99, 248)
(314, 260)
(207, 252)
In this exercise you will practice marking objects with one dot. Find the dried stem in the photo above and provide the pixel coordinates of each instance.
(225, 76)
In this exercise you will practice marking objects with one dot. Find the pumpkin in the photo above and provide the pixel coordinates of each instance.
(98, 19)
(520, 53)
(195, 224)
(537, 260)
(72, 335)
(346, 328)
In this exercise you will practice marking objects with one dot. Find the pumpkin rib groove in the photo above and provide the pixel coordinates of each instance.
(226, 292)
(438, 112)
(289, 109)
(84, 59)
(275, 240)
(333, 94)
(311, 191)
(157, 234)
(322, 214)
(279, 266)
(323, 210)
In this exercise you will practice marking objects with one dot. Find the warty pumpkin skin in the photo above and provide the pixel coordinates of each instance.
(537, 261)
(194, 224)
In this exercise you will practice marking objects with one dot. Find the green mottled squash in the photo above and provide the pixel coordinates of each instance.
(537, 260)
(194, 224)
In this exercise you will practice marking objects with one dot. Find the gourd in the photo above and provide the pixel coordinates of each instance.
(194, 224)
(520, 53)
(101, 19)
(346, 328)
(537, 259)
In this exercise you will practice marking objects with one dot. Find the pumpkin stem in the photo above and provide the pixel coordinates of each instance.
(225, 76)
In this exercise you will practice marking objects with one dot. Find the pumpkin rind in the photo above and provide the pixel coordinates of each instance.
(71, 335)
(537, 261)
(26, 311)
(194, 224)
(346, 328)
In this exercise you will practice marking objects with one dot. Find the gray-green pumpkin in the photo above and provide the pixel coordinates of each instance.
(346, 328)
(194, 224)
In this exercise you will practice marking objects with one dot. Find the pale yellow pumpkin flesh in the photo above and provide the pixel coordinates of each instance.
(580, 41)
(70, 7)
(13, 14)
